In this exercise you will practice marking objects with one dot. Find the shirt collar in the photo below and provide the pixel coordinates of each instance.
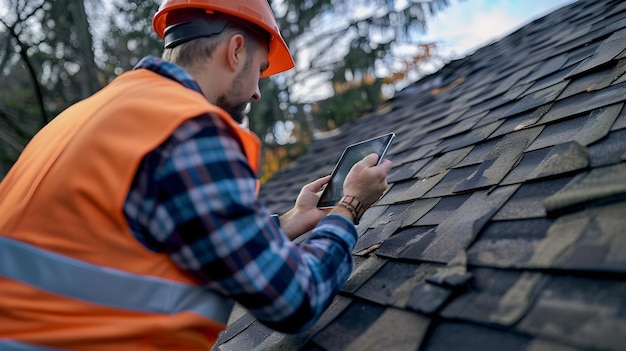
(168, 70)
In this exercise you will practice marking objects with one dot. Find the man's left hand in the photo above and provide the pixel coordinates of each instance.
(305, 214)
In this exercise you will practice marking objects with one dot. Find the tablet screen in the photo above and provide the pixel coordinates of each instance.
(351, 155)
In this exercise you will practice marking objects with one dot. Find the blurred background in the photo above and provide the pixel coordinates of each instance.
(350, 56)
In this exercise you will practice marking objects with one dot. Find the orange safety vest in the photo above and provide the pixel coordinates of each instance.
(72, 275)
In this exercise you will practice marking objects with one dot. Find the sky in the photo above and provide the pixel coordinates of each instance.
(467, 25)
(458, 30)
(464, 26)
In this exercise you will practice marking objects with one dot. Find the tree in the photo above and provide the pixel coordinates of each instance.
(67, 53)
(350, 55)
(17, 67)
(52, 60)
(129, 36)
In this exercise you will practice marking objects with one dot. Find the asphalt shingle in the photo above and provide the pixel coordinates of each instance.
(504, 224)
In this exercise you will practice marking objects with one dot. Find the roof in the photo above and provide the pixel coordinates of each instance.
(504, 227)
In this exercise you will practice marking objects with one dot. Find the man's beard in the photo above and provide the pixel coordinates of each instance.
(235, 109)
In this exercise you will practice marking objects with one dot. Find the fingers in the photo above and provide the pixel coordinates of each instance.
(370, 160)
(317, 184)
(386, 165)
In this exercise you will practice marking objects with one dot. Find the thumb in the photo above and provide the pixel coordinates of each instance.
(317, 185)
(370, 160)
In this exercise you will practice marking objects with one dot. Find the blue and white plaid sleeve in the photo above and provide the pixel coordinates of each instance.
(194, 198)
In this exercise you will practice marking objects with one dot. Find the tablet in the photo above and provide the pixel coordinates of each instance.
(333, 192)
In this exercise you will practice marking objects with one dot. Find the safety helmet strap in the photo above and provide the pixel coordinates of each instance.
(185, 31)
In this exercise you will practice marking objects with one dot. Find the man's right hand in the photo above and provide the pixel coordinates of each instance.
(366, 181)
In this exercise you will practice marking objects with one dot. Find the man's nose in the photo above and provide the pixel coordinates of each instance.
(257, 94)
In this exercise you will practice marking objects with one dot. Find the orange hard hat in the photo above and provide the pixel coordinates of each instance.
(257, 12)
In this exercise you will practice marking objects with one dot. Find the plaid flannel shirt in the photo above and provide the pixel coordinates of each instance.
(194, 198)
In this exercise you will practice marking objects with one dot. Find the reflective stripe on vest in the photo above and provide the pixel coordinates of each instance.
(11, 345)
(66, 276)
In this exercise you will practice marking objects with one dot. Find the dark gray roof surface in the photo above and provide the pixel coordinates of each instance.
(504, 227)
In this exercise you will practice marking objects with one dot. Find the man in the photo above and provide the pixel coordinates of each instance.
(131, 221)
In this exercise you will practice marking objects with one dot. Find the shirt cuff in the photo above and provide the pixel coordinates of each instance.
(276, 220)
(339, 226)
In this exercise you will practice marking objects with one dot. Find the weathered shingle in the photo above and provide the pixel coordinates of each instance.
(504, 226)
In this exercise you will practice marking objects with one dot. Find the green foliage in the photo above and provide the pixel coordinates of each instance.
(343, 50)
(265, 111)
(129, 37)
(56, 52)
(340, 109)
(19, 116)
(73, 49)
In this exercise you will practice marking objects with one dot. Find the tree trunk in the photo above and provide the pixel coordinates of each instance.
(88, 74)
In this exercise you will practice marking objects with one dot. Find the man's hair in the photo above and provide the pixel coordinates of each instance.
(189, 53)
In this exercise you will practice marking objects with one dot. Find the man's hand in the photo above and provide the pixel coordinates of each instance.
(366, 182)
(305, 214)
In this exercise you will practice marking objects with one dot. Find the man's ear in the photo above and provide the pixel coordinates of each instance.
(236, 52)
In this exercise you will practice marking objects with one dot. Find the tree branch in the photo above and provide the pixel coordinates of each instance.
(31, 70)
